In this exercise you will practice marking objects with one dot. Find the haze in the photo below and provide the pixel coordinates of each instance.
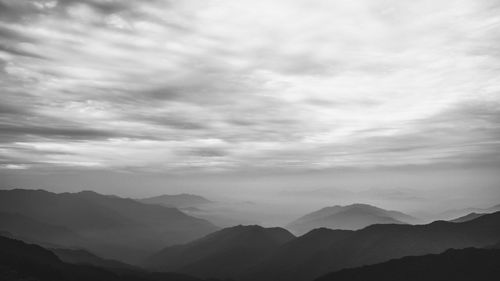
(284, 105)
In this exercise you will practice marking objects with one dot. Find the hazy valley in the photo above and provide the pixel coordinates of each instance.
(135, 238)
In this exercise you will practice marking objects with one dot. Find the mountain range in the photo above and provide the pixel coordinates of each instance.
(456, 213)
(467, 217)
(350, 217)
(457, 265)
(84, 257)
(101, 237)
(223, 254)
(220, 213)
(247, 253)
(22, 261)
(110, 226)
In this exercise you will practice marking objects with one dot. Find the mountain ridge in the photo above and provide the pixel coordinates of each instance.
(374, 244)
(222, 254)
(111, 226)
(23, 261)
(453, 264)
(348, 217)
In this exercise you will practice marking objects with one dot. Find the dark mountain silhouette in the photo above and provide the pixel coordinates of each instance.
(21, 261)
(109, 226)
(81, 256)
(177, 200)
(468, 217)
(351, 217)
(223, 254)
(373, 244)
(31, 230)
(295, 253)
(458, 265)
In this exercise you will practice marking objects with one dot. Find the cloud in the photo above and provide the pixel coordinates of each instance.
(234, 85)
(17, 132)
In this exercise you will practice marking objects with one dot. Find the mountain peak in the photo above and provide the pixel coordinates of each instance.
(234, 247)
(121, 228)
(353, 216)
(361, 205)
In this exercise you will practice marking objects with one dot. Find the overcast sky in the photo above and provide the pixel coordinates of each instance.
(219, 92)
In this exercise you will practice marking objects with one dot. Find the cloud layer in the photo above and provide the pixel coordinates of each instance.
(223, 85)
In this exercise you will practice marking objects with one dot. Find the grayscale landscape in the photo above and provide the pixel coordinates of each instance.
(249, 140)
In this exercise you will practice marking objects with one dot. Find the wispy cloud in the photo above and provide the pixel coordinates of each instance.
(229, 85)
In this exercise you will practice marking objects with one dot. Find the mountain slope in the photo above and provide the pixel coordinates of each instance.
(223, 254)
(80, 256)
(351, 217)
(111, 226)
(295, 253)
(375, 244)
(455, 213)
(468, 217)
(21, 261)
(177, 200)
(31, 230)
(458, 265)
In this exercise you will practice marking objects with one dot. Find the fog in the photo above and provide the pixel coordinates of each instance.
(278, 198)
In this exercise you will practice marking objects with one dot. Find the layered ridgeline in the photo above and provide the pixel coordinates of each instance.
(81, 256)
(227, 253)
(335, 249)
(220, 213)
(350, 217)
(22, 261)
(177, 200)
(468, 217)
(458, 213)
(254, 253)
(109, 226)
(457, 265)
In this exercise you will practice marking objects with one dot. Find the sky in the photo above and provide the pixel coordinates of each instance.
(285, 102)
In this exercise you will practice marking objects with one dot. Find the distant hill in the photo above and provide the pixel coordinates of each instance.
(177, 201)
(22, 261)
(223, 254)
(455, 213)
(457, 265)
(109, 226)
(321, 251)
(221, 214)
(468, 217)
(350, 217)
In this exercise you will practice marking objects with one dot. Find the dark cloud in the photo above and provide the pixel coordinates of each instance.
(103, 7)
(311, 91)
(15, 132)
(14, 11)
(7, 33)
(208, 152)
(176, 122)
(17, 51)
(10, 109)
